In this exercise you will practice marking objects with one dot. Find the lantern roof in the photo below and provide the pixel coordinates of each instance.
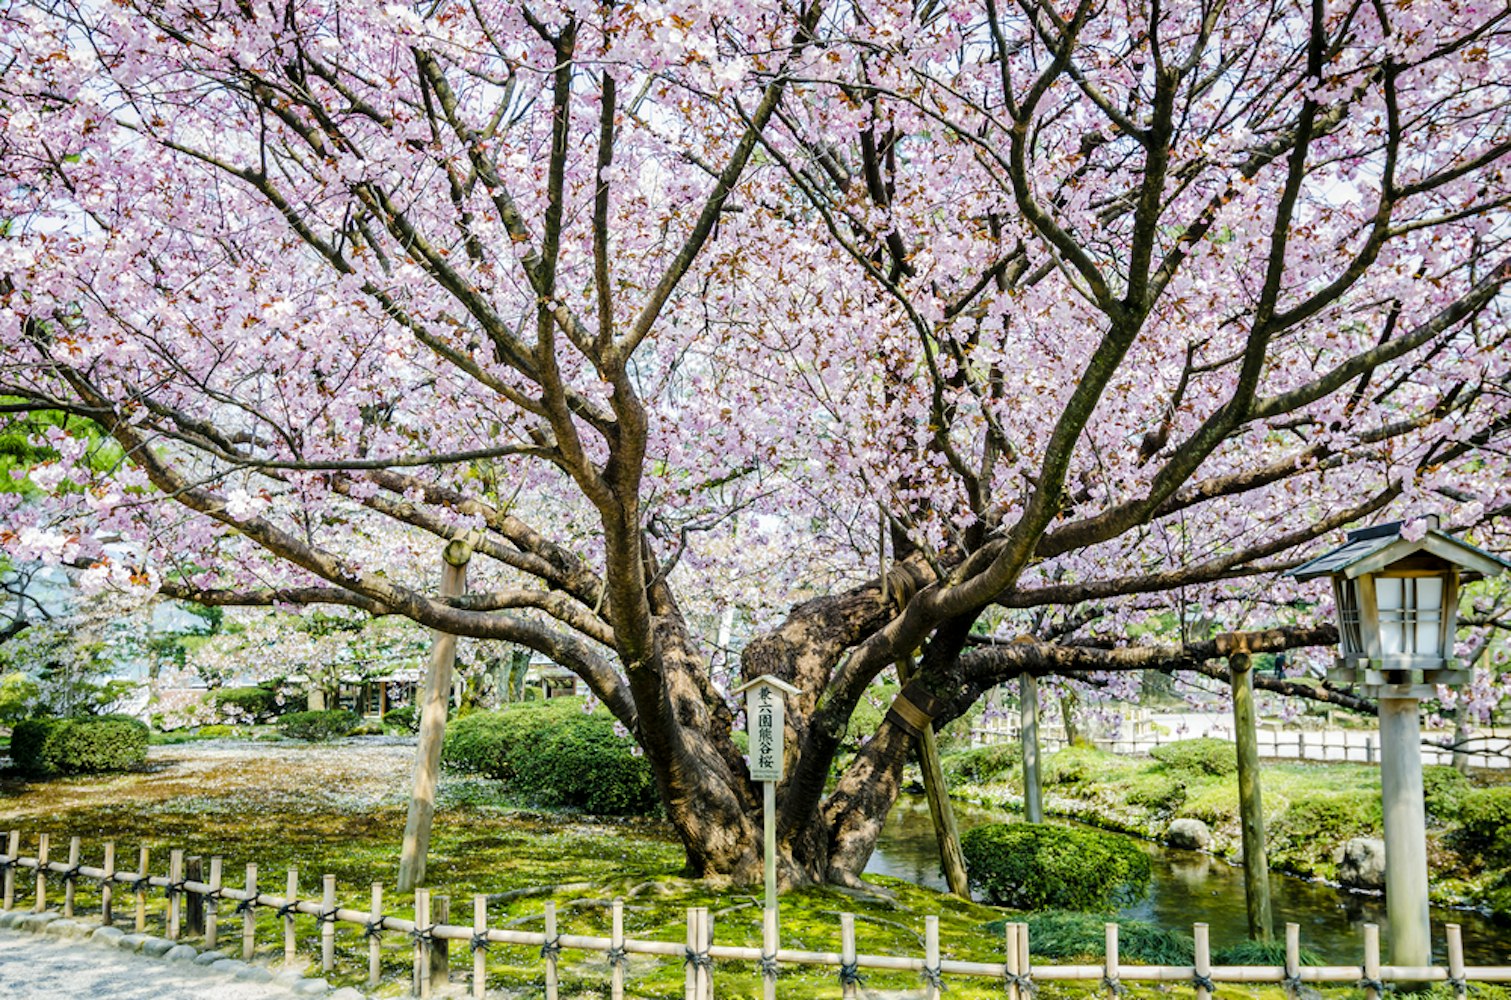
(1370, 550)
(769, 681)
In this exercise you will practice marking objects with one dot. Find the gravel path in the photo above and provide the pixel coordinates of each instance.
(35, 966)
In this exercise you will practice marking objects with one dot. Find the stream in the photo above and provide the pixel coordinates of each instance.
(1189, 886)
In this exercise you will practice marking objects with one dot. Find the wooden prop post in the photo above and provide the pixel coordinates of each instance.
(1028, 720)
(946, 832)
(194, 903)
(439, 947)
(437, 695)
(1256, 865)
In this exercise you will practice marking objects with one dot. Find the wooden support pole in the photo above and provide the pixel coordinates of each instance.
(291, 893)
(107, 885)
(849, 984)
(12, 852)
(212, 906)
(434, 702)
(175, 901)
(771, 943)
(39, 903)
(690, 976)
(1110, 963)
(479, 946)
(142, 860)
(931, 982)
(1371, 961)
(440, 948)
(374, 939)
(1028, 733)
(1256, 865)
(194, 903)
(421, 982)
(1010, 958)
(68, 884)
(1203, 959)
(548, 950)
(616, 951)
(327, 923)
(951, 860)
(249, 917)
(1293, 957)
(1456, 961)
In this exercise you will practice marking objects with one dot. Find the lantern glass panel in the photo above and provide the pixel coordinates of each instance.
(1411, 612)
(1346, 595)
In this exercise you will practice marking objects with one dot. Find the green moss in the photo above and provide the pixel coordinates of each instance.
(1311, 828)
(1203, 756)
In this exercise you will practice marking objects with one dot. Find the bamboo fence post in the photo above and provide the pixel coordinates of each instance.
(327, 923)
(1371, 980)
(212, 905)
(140, 888)
(1456, 961)
(549, 950)
(705, 941)
(421, 982)
(849, 977)
(479, 946)
(194, 903)
(175, 876)
(616, 952)
(291, 896)
(375, 938)
(931, 978)
(1293, 959)
(107, 885)
(1201, 935)
(249, 916)
(40, 902)
(12, 852)
(1025, 965)
(770, 945)
(70, 877)
(690, 991)
(440, 948)
(1010, 955)
(1110, 965)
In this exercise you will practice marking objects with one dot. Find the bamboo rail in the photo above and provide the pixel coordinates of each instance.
(699, 953)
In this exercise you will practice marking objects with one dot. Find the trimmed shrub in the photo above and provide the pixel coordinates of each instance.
(1484, 823)
(1058, 934)
(983, 765)
(218, 732)
(1199, 756)
(313, 726)
(255, 704)
(85, 745)
(1074, 765)
(406, 718)
(1158, 791)
(1444, 789)
(1032, 866)
(1299, 841)
(553, 754)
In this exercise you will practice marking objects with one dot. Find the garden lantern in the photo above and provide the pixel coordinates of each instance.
(1397, 596)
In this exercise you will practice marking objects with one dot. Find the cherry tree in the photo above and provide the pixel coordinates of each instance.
(867, 319)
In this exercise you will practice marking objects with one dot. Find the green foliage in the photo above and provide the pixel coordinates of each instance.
(18, 693)
(1485, 825)
(983, 765)
(48, 746)
(255, 704)
(1059, 934)
(1261, 953)
(1160, 791)
(218, 732)
(1444, 790)
(1034, 866)
(868, 714)
(1075, 765)
(313, 726)
(1322, 821)
(405, 718)
(1199, 756)
(553, 754)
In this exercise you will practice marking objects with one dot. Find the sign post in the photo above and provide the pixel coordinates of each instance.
(764, 709)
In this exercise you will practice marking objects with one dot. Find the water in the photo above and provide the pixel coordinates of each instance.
(1189, 886)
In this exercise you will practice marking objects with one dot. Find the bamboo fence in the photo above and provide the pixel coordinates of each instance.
(431, 936)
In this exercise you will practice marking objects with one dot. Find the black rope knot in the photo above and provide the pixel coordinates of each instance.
(480, 941)
(215, 893)
(372, 928)
(769, 968)
(289, 909)
(327, 916)
(1366, 983)
(1024, 982)
(71, 874)
(245, 906)
(849, 974)
(617, 957)
(697, 959)
(1459, 984)
(932, 977)
(1115, 986)
(551, 949)
(1202, 982)
(423, 935)
(6, 863)
(175, 888)
(141, 885)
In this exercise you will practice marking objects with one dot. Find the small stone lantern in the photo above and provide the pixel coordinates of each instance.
(1397, 598)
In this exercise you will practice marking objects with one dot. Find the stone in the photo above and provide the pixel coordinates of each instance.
(210, 957)
(34, 922)
(131, 942)
(156, 947)
(254, 974)
(107, 935)
(1189, 834)
(311, 987)
(181, 953)
(9, 917)
(288, 977)
(1363, 864)
(347, 993)
(228, 966)
(65, 928)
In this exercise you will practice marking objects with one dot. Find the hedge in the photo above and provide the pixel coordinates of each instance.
(553, 754)
(1484, 824)
(326, 725)
(85, 745)
(1033, 866)
(1198, 756)
(405, 717)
